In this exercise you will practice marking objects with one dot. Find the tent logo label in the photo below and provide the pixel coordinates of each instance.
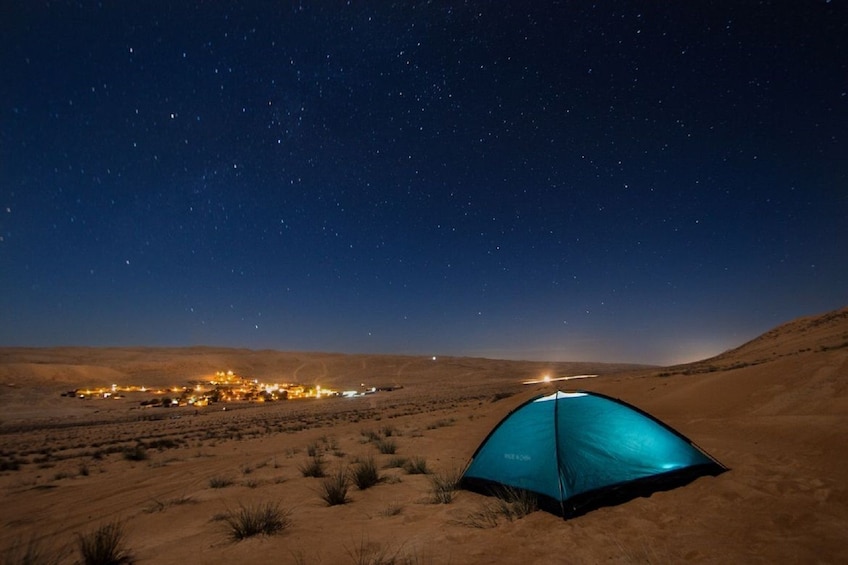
(517, 457)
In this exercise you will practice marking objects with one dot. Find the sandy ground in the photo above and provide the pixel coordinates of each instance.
(774, 411)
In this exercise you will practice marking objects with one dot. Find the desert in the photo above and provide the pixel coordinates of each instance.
(773, 411)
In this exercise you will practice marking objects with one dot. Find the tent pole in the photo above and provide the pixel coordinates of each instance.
(556, 454)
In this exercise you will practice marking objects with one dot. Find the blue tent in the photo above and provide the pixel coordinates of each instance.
(580, 450)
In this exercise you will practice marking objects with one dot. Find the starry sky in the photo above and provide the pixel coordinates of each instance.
(646, 182)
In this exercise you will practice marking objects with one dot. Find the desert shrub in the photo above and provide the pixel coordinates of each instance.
(312, 449)
(416, 466)
(443, 423)
(267, 519)
(386, 446)
(10, 464)
(163, 444)
(393, 509)
(314, 467)
(331, 443)
(135, 453)
(364, 474)
(388, 431)
(220, 481)
(443, 486)
(370, 435)
(104, 546)
(334, 488)
(500, 396)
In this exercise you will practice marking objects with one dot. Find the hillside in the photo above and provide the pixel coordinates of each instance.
(796, 368)
(61, 367)
(810, 334)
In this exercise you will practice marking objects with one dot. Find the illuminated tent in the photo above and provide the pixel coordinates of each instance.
(581, 450)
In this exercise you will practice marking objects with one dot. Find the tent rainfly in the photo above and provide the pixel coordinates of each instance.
(581, 450)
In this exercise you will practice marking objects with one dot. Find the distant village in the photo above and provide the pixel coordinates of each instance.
(224, 387)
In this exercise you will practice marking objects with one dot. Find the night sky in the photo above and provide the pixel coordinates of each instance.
(621, 181)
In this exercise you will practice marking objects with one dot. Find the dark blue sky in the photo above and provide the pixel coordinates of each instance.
(650, 182)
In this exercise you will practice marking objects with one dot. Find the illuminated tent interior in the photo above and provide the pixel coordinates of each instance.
(581, 450)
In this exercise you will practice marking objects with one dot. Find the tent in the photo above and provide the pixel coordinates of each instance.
(580, 450)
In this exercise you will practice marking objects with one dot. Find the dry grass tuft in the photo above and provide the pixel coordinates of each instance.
(373, 553)
(334, 488)
(104, 546)
(365, 474)
(443, 423)
(510, 503)
(443, 486)
(248, 521)
(393, 509)
(386, 446)
(220, 481)
(416, 466)
(314, 467)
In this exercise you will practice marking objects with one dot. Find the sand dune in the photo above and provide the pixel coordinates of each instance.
(773, 410)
